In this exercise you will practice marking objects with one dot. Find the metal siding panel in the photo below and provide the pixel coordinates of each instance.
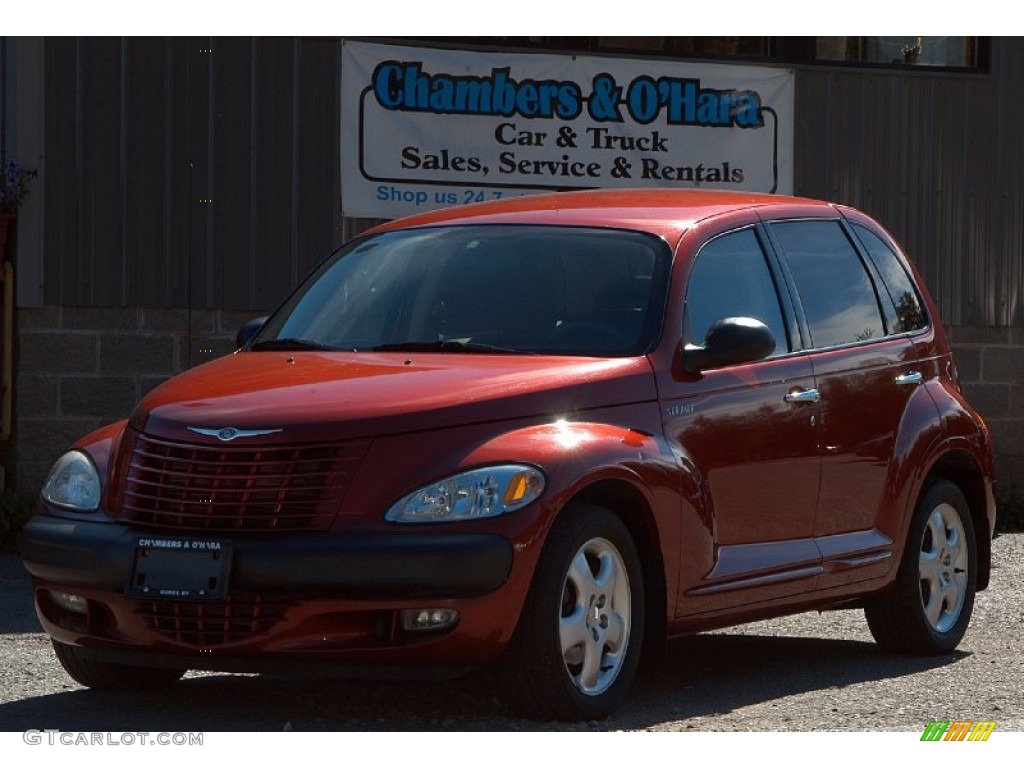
(813, 166)
(128, 267)
(3, 99)
(936, 227)
(231, 191)
(60, 258)
(147, 205)
(178, 175)
(885, 149)
(976, 291)
(100, 212)
(1009, 160)
(200, 71)
(273, 211)
(317, 148)
(914, 176)
(845, 116)
(138, 135)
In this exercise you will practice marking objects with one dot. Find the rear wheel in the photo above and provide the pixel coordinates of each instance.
(576, 650)
(928, 607)
(108, 676)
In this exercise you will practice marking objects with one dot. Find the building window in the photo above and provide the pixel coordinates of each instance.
(672, 47)
(964, 53)
(961, 52)
(712, 47)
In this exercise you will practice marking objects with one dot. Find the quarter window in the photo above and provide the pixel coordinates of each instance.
(902, 305)
(835, 290)
(731, 279)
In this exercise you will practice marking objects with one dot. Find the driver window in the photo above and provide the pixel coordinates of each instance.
(731, 278)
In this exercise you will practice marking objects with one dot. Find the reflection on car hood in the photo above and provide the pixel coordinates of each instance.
(317, 395)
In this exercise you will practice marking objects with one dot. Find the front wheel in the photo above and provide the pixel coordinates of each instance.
(576, 650)
(927, 609)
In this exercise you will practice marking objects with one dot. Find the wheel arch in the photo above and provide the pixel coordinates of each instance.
(628, 504)
(962, 469)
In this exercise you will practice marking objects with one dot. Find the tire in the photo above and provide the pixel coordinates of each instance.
(575, 652)
(927, 608)
(104, 675)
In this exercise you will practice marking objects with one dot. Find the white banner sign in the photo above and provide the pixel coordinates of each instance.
(424, 128)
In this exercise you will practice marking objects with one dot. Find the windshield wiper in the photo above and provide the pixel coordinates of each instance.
(448, 345)
(286, 343)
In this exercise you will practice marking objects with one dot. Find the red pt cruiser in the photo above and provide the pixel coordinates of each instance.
(546, 432)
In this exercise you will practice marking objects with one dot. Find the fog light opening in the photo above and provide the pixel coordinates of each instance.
(428, 619)
(70, 603)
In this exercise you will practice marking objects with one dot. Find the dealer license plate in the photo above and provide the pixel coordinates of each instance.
(195, 569)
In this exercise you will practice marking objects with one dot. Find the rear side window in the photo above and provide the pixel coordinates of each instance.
(835, 290)
(902, 304)
(731, 279)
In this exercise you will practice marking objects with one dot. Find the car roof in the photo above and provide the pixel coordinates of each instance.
(665, 212)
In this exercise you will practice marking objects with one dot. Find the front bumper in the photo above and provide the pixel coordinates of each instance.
(98, 555)
(327, 598)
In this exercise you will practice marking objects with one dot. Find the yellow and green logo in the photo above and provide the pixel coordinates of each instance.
(958, 730)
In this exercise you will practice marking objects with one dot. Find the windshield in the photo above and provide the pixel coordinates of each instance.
(487, 289)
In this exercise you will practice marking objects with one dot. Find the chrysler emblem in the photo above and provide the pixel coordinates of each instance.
(230, 433)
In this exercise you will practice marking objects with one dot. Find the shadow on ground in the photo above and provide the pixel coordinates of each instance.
(17, 614)
(700, 676)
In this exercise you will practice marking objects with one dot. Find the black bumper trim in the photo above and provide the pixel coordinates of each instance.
(361, 566)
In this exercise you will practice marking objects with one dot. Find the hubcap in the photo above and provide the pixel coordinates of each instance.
(595, 617)
(943, 568)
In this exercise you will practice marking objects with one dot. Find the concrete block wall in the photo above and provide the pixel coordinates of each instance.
(79, 368)
(991, 365)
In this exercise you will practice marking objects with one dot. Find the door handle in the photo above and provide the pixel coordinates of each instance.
(914, 377)
(803, 396)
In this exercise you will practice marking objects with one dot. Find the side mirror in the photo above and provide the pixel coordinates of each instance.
(247, 331)
(730, 341)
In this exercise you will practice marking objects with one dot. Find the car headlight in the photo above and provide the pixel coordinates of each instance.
(73, 483)
(478, 493)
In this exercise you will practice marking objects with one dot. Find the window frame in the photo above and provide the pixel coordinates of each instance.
(900, 258)
(979, 49)
(783, 296)
(779, 51)
(647, 341)
(874, 280)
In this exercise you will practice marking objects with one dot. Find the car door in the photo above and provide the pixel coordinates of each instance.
(865, 369)
(747, 433)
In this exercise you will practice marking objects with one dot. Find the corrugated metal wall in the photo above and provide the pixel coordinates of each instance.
(219, 158)
(939, 160)
(215, 159)
(3, 100)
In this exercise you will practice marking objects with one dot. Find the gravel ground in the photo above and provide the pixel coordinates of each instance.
(814, 672)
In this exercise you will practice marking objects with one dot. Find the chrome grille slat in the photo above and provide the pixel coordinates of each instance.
(158, 492)
(212, 488)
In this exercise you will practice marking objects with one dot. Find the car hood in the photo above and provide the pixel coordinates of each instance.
(313, 396)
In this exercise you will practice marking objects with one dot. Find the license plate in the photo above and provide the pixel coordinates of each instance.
(195, 569)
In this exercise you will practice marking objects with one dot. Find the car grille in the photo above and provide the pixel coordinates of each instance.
(210, 624)
(231, 489)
